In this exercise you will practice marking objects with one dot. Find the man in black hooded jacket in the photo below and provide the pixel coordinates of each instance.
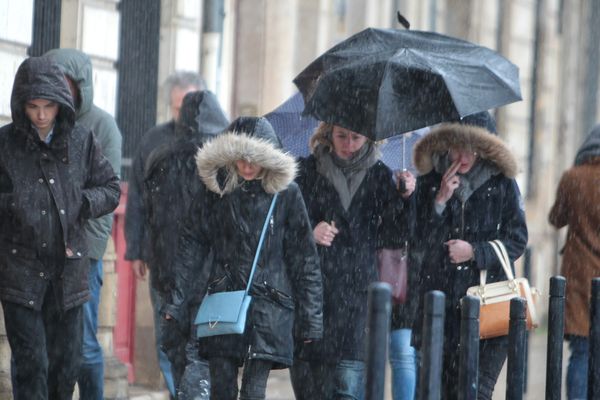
(53, 178)
(169, 184)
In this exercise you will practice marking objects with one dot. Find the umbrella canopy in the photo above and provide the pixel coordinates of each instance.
(383, 82)
(294, 130)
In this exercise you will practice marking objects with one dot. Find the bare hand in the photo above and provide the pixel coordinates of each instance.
(140, 269)
(459, 251)
(448, 184)
(307, 341)
(168, 317)
(409, 183)
(324, 233)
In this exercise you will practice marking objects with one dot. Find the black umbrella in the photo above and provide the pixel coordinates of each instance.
(294, 130)
(383, 82)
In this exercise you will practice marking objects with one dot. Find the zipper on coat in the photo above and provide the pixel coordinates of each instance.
(462, 220)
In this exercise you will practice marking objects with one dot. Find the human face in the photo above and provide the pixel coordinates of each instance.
(346, 142)
(177, 95)
(465, 158)
(42, 113)
(247, 170)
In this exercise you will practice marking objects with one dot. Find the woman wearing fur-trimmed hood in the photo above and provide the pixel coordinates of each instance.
(242, 170)
(466, 196)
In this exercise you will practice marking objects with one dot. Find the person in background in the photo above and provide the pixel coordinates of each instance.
(170, 186)
(53, 179)
(577, 206)
(466, 195)
(242, 171)
(77, 67)
(176, 87)
(354, 206)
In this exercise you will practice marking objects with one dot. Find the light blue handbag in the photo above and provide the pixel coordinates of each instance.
(224, 313)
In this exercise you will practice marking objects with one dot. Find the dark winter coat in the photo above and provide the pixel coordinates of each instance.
(493, 211)
(577, 206)
(136, 230)
(349, 265)
(171, 182)
(78, 66)
(47, 193)
(287, 281)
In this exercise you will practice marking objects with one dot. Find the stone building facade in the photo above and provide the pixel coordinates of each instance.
(251, 54)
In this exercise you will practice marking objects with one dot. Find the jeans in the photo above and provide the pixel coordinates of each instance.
(46, 348)
(328, 381)
(577, 371)
(163, 361)
(91, 376)
(223, 377)
(403, 363)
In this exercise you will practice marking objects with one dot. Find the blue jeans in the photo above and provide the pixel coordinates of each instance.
(163, 361)
(328, 381)
(91, 375)
(577, 371)
(403, 364)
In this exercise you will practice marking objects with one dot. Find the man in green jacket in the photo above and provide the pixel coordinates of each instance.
(77, 67)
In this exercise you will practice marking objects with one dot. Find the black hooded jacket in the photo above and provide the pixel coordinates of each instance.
(286, 289)
(47, 193)
(170, 181)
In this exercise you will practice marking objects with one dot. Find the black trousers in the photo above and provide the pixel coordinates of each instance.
(223, 379)
(492, 354)
(46, 348)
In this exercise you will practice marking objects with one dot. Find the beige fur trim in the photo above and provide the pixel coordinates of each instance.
(487, 146)
(222, 152)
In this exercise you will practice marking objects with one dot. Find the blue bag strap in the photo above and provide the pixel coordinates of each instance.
(260, 242)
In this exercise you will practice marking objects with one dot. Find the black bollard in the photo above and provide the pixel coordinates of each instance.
(378, 323)
(432, 345)
(468, 373)
(556, 330)
(515, 372)
(594, 363)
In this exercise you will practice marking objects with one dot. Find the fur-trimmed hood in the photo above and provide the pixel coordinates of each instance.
(216, 162)
(474, 138)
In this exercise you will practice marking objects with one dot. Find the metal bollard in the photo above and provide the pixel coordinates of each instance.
(378, 323)
(515, 376)
(468, 374)
(594, 363)
(556, 329)
(432, 345)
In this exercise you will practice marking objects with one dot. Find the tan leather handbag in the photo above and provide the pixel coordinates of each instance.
(495, 298)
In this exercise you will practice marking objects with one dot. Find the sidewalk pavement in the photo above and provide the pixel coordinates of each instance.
(280, 388)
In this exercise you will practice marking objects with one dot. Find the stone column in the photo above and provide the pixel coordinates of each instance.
(5, 386)
(115, 373)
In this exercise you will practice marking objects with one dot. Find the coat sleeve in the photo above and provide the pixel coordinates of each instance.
(135, 213)
(190, 268)
(560, 212)
(303, 261)
(101, 192)
(513, 230)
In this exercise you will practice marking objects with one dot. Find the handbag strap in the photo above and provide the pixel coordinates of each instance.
(260, 242)
(502, 255)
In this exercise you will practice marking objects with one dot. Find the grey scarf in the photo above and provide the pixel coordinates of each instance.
(481, 171)
(346, 175)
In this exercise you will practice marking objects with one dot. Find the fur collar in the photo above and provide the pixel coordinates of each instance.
(486, 145)
(222, 152)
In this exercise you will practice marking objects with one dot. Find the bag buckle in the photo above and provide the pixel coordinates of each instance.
(212, 324)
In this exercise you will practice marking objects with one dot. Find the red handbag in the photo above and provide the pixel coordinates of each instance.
(393, 269)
